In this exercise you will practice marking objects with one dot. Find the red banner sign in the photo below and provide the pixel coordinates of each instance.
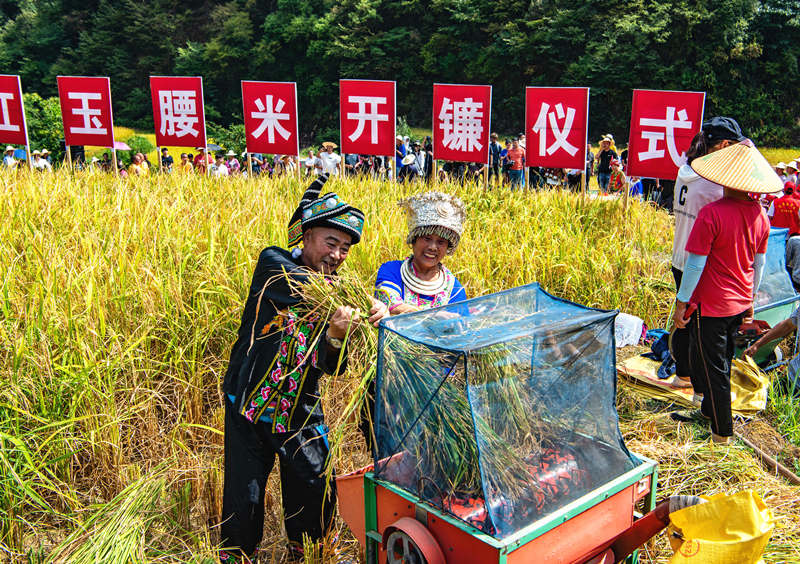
(663, 123)
(461, 122)
(270, 117)
(178, 111)
(86, 110)
(555, 127)
(367, 116)
(12, 111)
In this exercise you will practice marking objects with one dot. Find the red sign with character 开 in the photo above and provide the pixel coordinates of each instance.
(367, 116)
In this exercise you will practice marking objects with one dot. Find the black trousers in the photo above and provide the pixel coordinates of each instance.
(680, 338)
(250, 451)
(710, 355)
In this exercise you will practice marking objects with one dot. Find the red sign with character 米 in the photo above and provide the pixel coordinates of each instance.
(367, 116)
(555, 126)
(86, 110)
(270, 117)
(461, 122)
(663, 123)
(178, 111)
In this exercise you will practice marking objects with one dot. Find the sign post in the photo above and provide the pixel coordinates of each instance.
(13, 127)
(86, 112)
(178, 113)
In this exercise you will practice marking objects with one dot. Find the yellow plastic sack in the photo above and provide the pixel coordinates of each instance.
(728, 529)
(749, 386)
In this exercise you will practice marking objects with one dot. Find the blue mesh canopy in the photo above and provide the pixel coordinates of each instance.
(776, 285)
(501, 409)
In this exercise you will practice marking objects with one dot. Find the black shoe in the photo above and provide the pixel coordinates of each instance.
(689, 416)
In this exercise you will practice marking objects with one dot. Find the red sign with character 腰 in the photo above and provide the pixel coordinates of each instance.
(367, 116)
(461, 122)
(86, 110)
(555, 126)
(663, 123)
(178, 111)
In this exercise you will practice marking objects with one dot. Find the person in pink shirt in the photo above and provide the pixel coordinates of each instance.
(726, 255)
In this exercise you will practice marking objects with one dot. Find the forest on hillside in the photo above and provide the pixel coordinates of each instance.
(742, 53)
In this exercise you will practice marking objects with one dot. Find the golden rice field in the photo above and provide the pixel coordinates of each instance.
(119, 302)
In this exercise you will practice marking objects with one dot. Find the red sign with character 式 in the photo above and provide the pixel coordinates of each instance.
(555, 126)
(178, 111)
(13, 128)
(367, 116)
(86, 110)
(270, 117)
(663, 123)
(461, 122)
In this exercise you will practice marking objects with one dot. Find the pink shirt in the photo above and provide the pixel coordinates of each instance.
(730, 233)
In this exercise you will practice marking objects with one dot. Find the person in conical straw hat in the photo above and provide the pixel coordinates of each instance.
(421, 281)
(271, 388)
(726, 255)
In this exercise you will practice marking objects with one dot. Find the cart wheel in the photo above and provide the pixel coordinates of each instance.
(407, 541)
(401, 549)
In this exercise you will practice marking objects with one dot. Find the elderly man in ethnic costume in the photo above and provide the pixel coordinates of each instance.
(421, 281)
(272, 402)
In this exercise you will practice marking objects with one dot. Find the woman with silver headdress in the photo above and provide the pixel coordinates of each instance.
(421, 281)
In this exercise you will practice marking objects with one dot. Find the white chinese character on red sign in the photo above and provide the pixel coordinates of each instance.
(270, 119)
(91, 124)
(5, 124)
(363, 115)
(178, 110)
(462, 124)
(560, 134)
(668, 126)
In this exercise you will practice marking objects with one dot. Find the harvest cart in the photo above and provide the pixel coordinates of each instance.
(497, 439)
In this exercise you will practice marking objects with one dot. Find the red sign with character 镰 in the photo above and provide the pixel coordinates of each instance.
(555, 127)
(367, 116)
(178, 111)
(86, 110)
(270, 117)
(461, 122)
(663, 123)
(13, 128)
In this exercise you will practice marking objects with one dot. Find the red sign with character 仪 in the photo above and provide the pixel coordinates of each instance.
(270, 117)
(178, 111)
(13, 128)
(663, 123)
(555, 127)
(461, 122)
(86, 110)
(367, 116)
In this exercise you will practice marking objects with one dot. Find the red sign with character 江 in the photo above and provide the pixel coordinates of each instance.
(86, 110)
(555, 126)
(461, 122)
(270, 117)
(12, 111)
(367, 116)
(178, 111)
(663, 124)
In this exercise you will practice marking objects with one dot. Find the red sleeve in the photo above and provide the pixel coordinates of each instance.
(764, 239)
(703, 233)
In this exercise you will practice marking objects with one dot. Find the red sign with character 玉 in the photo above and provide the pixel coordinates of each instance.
(178, 111)
(86, 110)
(270, 117)
(555, 127)
(461, 122)
(13, 128)
(663, 123)
(367, 116)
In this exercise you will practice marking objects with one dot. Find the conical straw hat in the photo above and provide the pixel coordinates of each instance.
(739, 167)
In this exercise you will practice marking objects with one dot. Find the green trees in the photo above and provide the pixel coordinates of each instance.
(743, 53)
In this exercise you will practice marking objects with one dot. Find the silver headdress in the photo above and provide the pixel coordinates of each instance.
(434, 213)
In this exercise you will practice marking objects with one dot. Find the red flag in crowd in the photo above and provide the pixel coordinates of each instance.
(555, 126)
(663, 123)
(461, 122)
(178, 111)
(270, 117)
(367, 116)
(86, 110)
(13, 128)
